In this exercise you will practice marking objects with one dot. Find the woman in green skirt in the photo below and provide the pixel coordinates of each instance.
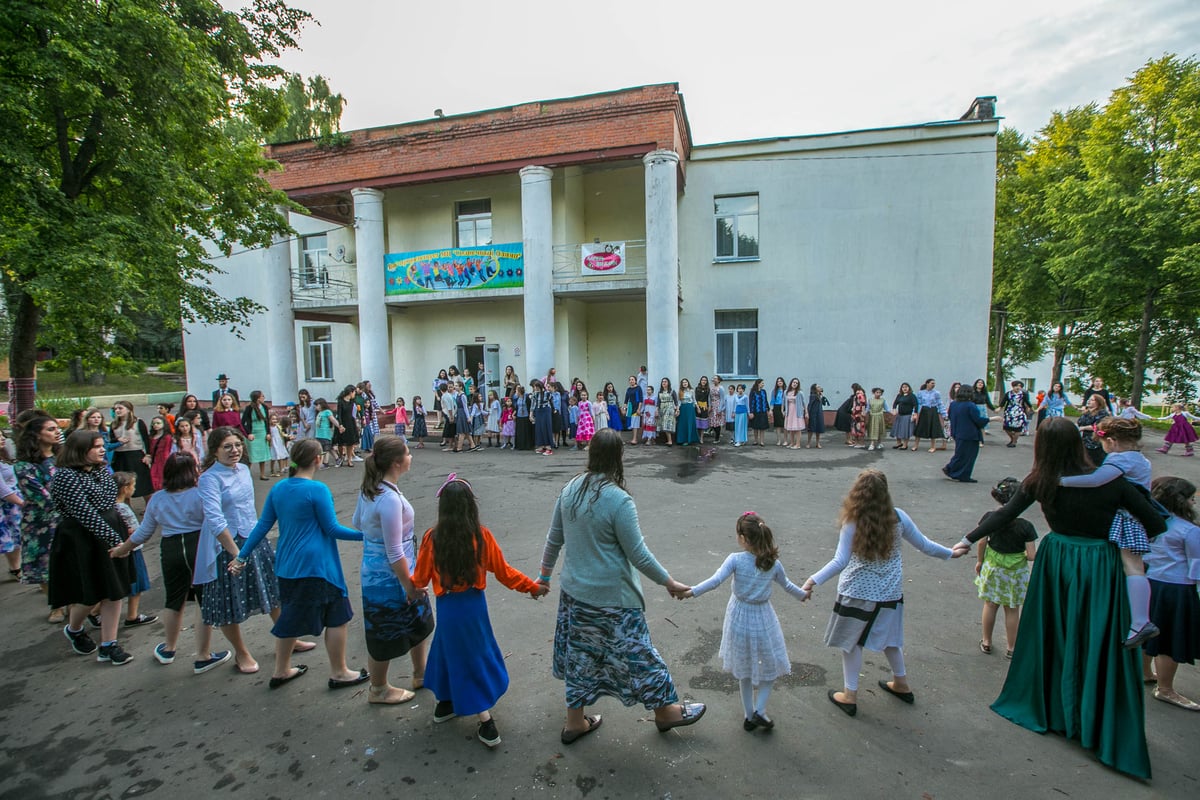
(1070, 673)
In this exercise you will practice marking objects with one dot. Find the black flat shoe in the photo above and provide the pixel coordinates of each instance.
(907, 697)
(570, 737)
(850, 708)
(763, 721)
(362, 677)
(748, 725)
(275, 683)
(690, 714)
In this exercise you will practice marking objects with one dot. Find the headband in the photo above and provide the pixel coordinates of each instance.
(453, 478)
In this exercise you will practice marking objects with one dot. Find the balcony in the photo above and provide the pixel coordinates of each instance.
(570, 278)
(328, 287)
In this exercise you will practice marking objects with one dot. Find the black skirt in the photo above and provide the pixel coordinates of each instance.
(777, 416)
(844, 419)
(1175, 609)
(131, 461)
(80, 568)
(760, 421)
(349, 436)
(524, 434)
(929, 425)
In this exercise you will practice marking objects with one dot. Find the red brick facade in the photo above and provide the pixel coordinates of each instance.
(627, 123)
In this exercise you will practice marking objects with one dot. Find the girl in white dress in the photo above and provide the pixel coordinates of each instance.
(279, 451)
(752, 646)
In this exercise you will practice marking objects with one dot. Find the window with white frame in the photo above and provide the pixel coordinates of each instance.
(318, 353)
(736, 343)
(314, 252)
(736, 227)
(472, 223)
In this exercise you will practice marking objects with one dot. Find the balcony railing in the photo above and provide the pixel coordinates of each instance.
(568, 269)
(327, 286)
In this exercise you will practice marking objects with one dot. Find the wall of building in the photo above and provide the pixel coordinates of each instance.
(422, 217)
(346, 365)
(875, 256)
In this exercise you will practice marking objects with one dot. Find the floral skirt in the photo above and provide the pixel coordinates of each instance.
(602, 652)
(1003, 579)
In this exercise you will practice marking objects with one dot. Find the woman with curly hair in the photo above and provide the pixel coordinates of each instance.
(869, 611)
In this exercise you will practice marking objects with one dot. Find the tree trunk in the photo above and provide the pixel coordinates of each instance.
(998, 367)
(1060, 355)
(1143, 346)
(22, 353)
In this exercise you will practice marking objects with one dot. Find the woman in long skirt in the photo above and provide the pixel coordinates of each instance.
(602, 645)
(686, 431)
(817, 401)
(1070, 672)
(523, 422)
(255, 421)
(929, 416)
(541, 410)
(613, 407)
(396, 617)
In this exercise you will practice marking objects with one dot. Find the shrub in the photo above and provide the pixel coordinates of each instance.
(60, 406)
(119, 365)
(171, 366)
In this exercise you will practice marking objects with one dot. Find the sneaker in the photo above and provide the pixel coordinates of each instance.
(140, 619)
(94, 621)
(214, 660)
(488, 733)
(81, 643)
(114, 654)
(443, 711)
(358, 458)
(162, 655)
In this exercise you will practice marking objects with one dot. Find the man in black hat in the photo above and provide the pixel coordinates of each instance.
(223, 383)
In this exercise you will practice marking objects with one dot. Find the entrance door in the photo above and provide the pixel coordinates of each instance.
(468, 358)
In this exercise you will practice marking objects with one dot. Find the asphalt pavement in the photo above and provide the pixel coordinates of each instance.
(72, 727)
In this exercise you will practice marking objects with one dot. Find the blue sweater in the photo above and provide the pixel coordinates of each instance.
(308, 531)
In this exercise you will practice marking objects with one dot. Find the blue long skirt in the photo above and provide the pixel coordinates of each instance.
(543, 428)
(615, 421)
(465, 665)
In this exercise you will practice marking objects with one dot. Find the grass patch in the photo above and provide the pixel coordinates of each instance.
(50, 382)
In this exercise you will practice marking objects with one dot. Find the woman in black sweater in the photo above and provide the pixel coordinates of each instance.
(1070, 673)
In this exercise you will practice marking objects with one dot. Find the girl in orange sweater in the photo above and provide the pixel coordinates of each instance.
(466, 669)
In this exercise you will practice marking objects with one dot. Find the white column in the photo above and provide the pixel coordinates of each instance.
(282, 380)
(537, 226)
(662, 266)
(374, 339)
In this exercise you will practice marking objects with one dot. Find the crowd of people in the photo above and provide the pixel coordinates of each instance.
(1116, 573)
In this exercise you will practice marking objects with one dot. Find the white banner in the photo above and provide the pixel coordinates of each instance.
(603, 258)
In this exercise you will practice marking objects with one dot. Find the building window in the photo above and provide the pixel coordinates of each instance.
(314, 251)
(737, 343)
(473, 223)
(318, 353)
(737, 227)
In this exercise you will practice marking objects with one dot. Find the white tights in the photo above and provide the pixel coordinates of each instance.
(749, 704)
(852, 665)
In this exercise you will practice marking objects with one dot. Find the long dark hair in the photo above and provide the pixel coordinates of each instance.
(29, 429)
(1057, 451)
(604, 466)
(387, 451)
(457, 536)
(257, 406)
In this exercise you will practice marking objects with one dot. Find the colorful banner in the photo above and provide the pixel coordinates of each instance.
(604, 258)
(493, 266)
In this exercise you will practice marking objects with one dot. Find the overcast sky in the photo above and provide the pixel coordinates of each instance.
(747, 68)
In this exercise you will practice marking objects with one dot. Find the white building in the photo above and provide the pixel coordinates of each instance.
(861, 256)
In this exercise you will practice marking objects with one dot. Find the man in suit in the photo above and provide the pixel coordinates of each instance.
(966, 425)
(223, 384)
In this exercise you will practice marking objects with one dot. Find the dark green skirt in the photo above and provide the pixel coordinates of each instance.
(1069, 673)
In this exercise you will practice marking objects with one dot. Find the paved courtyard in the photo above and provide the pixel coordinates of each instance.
(74, 728)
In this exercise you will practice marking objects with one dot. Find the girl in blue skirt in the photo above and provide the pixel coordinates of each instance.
(465, 670)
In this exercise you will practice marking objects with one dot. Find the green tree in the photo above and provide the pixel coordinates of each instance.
(313, 110)
(119, 178)
(1133, 223)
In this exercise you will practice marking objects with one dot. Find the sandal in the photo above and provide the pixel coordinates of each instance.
(570, 737)
(986, 649)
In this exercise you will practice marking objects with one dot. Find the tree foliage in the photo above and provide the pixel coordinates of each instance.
(313, 110)
(1098, 232)
(119, 178)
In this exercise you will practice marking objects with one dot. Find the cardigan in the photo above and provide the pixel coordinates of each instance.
(604, 546)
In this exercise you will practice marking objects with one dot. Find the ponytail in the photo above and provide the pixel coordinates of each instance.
(304, 454)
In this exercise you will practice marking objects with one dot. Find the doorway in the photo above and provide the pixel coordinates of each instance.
(468, 357)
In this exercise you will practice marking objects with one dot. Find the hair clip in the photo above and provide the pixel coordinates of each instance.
(1099, 432)
(749, 513)
(293, 465)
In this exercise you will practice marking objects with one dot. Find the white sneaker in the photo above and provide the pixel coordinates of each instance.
(358, 458)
